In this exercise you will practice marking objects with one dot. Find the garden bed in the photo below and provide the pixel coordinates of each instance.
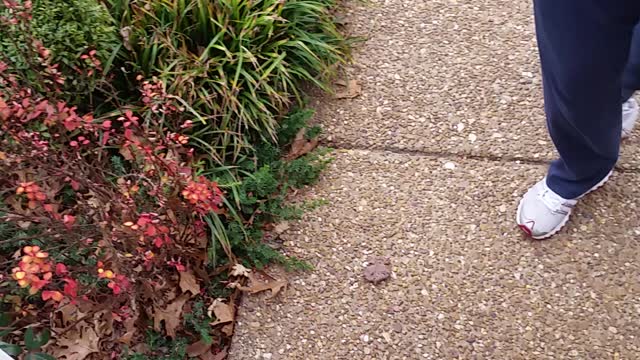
(147, 150)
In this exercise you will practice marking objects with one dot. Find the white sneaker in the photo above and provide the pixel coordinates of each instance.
(630, 113)
(542, 213)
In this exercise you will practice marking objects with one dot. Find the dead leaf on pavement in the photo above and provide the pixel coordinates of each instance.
(189, 283)
(301, 146)
(259, 286)
(224, 313)
(198, 348)
(77, 344)
(171, 316)
(351, 89)
(377, 271)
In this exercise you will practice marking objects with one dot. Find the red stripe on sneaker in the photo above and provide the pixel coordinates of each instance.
(526, 230)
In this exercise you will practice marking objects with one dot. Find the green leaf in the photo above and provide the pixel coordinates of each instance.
(10, 349)
(39, 356)
(5, 320)
(34, 341)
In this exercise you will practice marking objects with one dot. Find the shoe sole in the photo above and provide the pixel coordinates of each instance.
(566, 219)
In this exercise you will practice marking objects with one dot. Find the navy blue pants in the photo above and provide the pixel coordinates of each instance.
(588, 65)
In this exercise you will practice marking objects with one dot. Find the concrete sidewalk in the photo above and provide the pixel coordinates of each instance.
(465, 284)
(432, 159)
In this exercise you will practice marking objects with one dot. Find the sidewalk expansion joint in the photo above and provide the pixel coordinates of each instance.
(462, 156)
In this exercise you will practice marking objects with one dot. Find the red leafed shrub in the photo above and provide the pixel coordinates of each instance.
(85, 225)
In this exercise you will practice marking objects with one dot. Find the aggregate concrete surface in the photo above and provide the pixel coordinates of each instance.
(432, 159)
(465, 283)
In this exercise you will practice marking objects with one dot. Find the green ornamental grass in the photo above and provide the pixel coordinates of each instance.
(236, 64)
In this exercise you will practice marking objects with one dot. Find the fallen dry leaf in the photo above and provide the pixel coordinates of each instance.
(228, 329)
(171, 316)
(377, 271)
(351, 89)
(125, 32)
(301, 145)
(281, 227)
(223, 312)
(64, 315)
(129, 325)
(103, 323)
(130, 322)
(219, 356)
(198, 348)
(77, 344)
(189, 283)
(259, 286)
(238, 270)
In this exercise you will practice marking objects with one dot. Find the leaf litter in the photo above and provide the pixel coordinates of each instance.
(301, 145)
(256, 285)
(188, 283)
(349, 89)
(171, 316)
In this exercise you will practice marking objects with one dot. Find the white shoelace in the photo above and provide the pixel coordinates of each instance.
(553, 201)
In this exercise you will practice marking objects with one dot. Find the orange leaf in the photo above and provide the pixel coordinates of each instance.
(52, 295)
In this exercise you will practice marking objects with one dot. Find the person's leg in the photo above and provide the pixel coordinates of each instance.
(631, 77)
(584, 46)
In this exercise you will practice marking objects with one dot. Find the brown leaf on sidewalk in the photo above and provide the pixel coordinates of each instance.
(189, 283)
(377, 271)
(198, 348)
(77, 344)
(257, 286)
(171, 316)
(224, 313)
(301, 146)
(351, 89)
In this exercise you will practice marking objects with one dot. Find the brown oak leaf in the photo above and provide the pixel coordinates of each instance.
(189, 283)
(171, 316)
(77, 344)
